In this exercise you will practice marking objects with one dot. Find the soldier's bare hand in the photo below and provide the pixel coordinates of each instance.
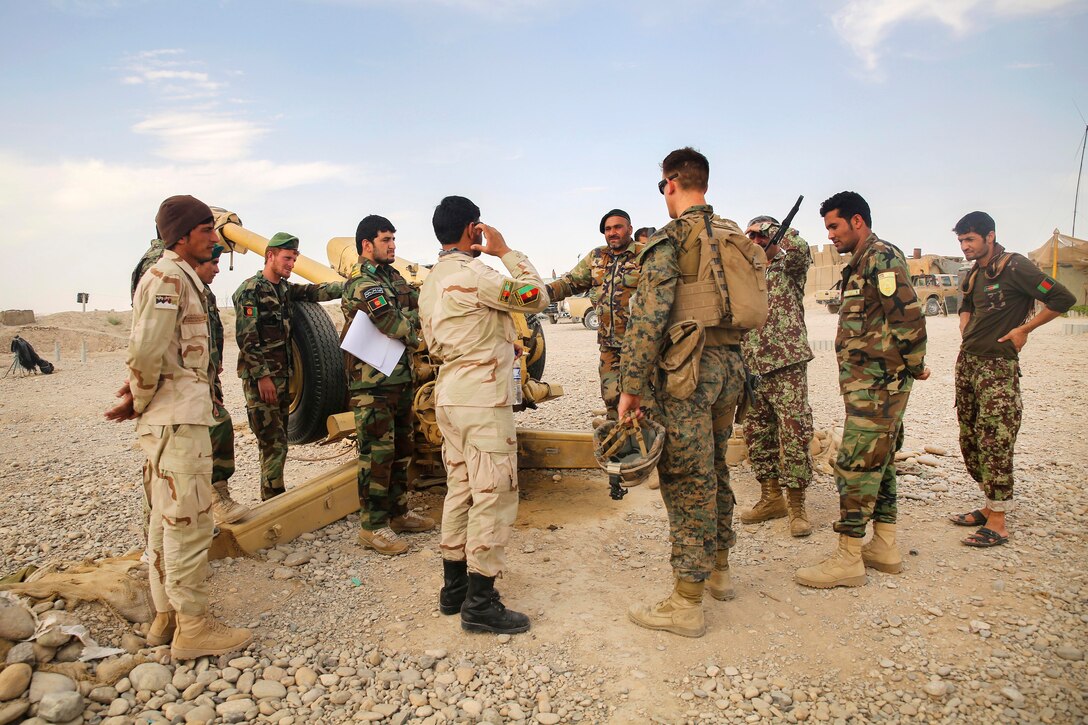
(124, 410)
(1017, 337)
(629, 405)
(924, 375)
(494, 243)
(267, 389)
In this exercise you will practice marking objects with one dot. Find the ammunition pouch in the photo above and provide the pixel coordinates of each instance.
(679, 361)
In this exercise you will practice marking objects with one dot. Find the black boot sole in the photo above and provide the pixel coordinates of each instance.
(480, 627)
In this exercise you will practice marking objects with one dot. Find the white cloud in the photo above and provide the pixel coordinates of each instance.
(866, 24)
(198, 137)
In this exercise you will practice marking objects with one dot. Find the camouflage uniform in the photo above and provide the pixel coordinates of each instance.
(222, 433)
(152, 255)
(988, 372)
(169, 366)
(463, 307)
(263, 327)
(383, 405)
(611, 276)
(693, 473)
(881, 345)
(778, 426)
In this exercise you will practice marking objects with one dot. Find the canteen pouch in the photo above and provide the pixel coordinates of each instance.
(679, 362)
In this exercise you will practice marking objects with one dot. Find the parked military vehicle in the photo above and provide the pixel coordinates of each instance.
(937, 293)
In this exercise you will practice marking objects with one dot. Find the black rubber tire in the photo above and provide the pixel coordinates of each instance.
(590, 320)
(933, 307)
(536, 367)
(324, 382)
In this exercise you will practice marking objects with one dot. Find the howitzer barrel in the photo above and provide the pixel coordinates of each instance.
(244, 240)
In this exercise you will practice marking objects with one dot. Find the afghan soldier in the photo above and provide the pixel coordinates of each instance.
(698, 421)
(778, 426)
(881, 346)
(383, 404)
(610, 273)
(643, 234)
(998, 296)
(170, 369)
(225, 509)
(152, 255)
(262, 305)
(465, 309)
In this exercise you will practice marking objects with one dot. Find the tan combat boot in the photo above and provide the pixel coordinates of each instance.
(680, 613)
(795, 502)
(226, 510)
(162, 629)
(411, 523)
(384, 541)
(844, 568)
(881, 553)
(771, 505)
(720, 583)
(204, 635)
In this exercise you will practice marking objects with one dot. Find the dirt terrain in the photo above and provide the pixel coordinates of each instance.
(962, 635)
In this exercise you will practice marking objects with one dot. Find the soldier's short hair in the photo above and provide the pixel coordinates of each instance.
(848, 203)
(691, 168)
(451, 216)
(644, 232)
(370, 227)
(977, 222)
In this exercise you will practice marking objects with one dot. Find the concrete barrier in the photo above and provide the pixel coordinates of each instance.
(1072, 328)
(17, 317)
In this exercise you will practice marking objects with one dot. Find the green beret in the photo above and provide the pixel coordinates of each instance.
(217, 251)
(283, 240)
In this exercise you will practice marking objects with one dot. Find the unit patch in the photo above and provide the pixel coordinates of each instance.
(376, 300)
(506, 290)
(527, 294)
(885, 282)
(166, 302)
(247, 311)
(1046, 285)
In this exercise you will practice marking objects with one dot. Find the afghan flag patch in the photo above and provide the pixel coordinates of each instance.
(247, 311)
(506, 290)
(378, 303)
(527, 294)
(1046, 285)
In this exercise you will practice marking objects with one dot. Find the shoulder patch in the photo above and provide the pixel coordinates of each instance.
(526, 294)
(371, 292)
(506, 290)
(885, 282)
(248, 311)
(166, 302)
(1046, 285)
(377, 304)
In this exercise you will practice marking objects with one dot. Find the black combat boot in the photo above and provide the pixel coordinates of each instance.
(455, 579)
(484, 612)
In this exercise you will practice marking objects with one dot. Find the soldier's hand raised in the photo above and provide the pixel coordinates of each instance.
(494, 244)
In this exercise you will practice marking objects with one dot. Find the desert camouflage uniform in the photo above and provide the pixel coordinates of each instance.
(382, 405)
(778, 426)
(263, 327)
(464, 308)
(881, 345)
(611, 276)
(693, 473)
(988, 401)
(169, 366)
(222, 433)
(152, 255)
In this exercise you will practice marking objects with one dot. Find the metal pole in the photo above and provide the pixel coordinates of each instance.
(1076, 199)
(56, 350)
(83, 351)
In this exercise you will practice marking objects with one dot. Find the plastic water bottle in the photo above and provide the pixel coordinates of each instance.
(517, 382)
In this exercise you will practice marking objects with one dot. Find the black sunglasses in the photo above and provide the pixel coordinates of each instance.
(661, 184)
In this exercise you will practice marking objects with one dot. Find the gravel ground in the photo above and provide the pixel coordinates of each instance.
(344, 635)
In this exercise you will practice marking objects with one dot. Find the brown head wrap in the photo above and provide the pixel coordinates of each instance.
(179, 215)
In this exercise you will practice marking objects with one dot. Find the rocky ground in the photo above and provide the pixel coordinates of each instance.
(345, 635)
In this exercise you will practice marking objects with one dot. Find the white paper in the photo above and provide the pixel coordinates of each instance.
(369, 344)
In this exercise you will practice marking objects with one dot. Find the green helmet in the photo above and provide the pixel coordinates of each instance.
(629, 450)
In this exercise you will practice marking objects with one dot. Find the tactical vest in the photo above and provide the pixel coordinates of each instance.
(723, 282)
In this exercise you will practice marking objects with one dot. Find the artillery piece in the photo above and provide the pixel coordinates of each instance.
(319, 406)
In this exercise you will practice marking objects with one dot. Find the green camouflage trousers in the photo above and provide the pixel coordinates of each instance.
(383, 431)
(222, 434)
(269, 425)
(865, 467)
(609, 371)
(692, 470)
(989, 410)
(778, 427)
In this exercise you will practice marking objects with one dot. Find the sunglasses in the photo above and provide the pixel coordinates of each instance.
(661, 184)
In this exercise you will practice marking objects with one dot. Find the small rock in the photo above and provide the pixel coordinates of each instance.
(150, 676)
(53, 638)
(16, 623)
(234, 707)
(243, 663)
(14, 679)
(111, 670)
(297, 559)
(201, 714)
(12, 711)
(935, 450)
(503, 638)
(42, 683)
(60, 706)
(305, 677)
(935, 688)
(929, 460)
(464, 674)
(1068, 652)
(282, 572)
(1014, 696)
(132, 643)
(547, 718)
(263, 689)
(273, 673)
(471, 707)
(22, 653)
(103, 695)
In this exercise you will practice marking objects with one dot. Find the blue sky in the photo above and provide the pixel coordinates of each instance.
(306, 116)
